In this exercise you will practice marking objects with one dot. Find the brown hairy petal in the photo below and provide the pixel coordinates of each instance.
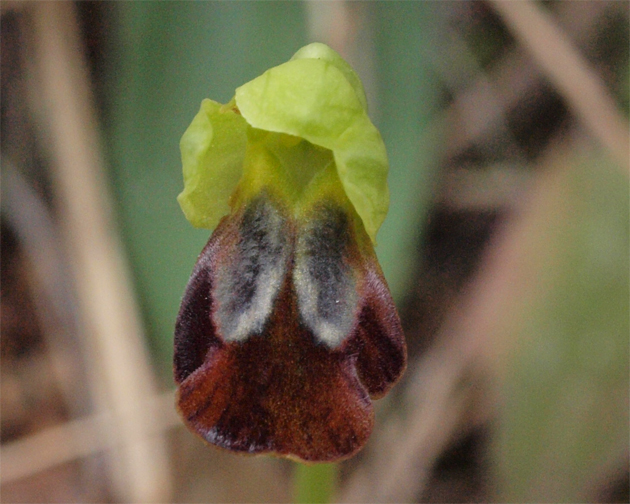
(195, 333)
(382, 354)
(280, 392)
(260, 373)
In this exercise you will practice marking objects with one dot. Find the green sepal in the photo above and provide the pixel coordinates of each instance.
(317, 50)
(317, 97)
(213, 149)
(312, 98)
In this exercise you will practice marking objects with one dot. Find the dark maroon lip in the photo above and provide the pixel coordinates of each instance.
(283, 336)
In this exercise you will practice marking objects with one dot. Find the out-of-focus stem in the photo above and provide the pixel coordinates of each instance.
(314, 483)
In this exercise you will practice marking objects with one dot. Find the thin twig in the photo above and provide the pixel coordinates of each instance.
(120, 367)
(31, 220)
(80, 438)
(570, 73)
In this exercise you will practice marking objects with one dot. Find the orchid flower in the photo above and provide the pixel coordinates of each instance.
(287, 328)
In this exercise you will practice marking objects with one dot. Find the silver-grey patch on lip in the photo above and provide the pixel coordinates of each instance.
(249, 279)
(324, 282)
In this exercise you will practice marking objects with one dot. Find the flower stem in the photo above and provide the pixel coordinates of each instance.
(314, 483)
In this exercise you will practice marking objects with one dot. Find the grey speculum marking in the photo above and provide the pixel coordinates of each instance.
(326, 246)
(248, 285)
(256, 249)
(324, 281)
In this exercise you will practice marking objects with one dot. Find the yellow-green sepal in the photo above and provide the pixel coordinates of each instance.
(212, 149)
(312, 97)
(317, 50)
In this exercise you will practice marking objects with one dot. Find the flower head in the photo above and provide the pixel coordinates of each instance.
(287, 327)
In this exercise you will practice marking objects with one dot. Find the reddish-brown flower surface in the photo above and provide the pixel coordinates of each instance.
(286, 331)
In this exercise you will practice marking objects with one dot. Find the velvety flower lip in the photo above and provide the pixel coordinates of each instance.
(287, 328)
(286, 365)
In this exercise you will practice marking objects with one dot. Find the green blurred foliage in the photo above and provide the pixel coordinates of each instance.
(408, 91)
(564, 421)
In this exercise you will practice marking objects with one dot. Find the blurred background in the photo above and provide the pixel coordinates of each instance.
(506, 247)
